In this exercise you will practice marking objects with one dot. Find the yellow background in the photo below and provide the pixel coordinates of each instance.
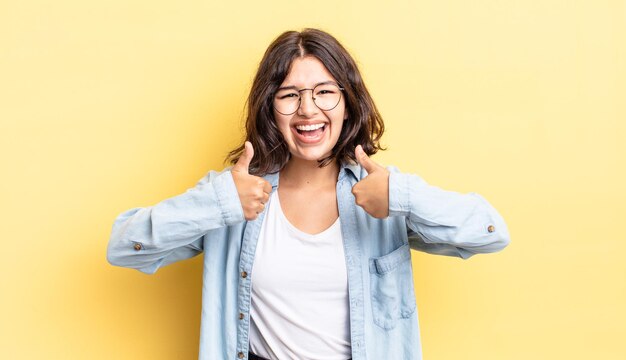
(109, 105)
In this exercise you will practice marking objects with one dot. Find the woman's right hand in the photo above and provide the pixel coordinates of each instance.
(254, 191)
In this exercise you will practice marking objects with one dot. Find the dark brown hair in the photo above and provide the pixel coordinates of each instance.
(363, 126)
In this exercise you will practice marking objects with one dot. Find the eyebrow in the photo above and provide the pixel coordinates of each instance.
(295, 88)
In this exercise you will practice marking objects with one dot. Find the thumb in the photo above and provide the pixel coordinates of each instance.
(367, 163)
(243, 163)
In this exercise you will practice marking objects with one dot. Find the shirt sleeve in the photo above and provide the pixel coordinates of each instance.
(445, 222)
(172, 230)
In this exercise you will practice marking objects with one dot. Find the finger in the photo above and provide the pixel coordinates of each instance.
(243, 163)
(266, 198)
(259, 208)
(367, 163)
(267, 187)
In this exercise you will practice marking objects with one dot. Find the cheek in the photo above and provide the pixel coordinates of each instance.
(343, 112)
(338, 129)
(282, 123)
(339, 118)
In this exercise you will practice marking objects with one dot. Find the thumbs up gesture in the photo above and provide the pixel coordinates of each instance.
(372, 192)
(254, 191)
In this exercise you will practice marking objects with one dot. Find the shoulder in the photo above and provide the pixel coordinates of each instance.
(212, 175)
(392, 168)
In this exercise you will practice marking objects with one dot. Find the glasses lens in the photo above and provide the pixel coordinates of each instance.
(287, 101)
(326, 96)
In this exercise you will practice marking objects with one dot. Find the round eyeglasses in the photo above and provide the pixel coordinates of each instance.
(326, 96)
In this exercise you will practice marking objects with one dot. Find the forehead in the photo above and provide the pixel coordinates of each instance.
(306, 72)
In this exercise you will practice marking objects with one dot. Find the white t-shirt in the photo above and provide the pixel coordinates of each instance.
(299, 295)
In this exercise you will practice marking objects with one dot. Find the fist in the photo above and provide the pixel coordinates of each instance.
(254, 191)
(372, 192)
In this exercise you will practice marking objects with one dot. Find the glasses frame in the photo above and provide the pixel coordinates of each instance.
(341, 89)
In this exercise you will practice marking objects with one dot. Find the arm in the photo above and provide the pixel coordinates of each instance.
(445, 222)
(148, 238)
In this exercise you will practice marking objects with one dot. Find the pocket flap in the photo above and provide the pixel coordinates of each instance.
(386, 263)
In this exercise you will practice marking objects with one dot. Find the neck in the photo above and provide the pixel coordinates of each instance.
(305, 173)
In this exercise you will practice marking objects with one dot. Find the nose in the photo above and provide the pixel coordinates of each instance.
(307, 105)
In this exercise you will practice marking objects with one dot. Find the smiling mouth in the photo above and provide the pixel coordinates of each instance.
(311, 130)
(310, 134)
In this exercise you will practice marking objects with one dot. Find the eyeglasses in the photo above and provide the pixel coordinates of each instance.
(326, 96)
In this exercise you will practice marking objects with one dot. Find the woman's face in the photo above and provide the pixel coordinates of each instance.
(300, 129)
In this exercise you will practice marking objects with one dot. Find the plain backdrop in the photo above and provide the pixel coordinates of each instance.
(110, 105)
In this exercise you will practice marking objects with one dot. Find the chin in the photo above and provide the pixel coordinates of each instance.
(311, 155)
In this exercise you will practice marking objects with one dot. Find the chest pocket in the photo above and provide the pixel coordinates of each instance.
(391, 287)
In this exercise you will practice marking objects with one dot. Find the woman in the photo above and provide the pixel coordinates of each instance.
(318, 267)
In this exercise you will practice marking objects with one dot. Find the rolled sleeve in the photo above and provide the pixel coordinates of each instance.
(445, 222)
(228, 199)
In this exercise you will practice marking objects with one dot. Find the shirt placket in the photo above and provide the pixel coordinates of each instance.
(352, 250)
(246, 260)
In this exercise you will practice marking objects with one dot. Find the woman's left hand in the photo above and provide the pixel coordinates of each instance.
(372, 192)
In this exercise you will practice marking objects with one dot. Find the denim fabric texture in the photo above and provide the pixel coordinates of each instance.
(209, 218)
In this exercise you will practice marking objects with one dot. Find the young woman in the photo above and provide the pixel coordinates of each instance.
(307, 240)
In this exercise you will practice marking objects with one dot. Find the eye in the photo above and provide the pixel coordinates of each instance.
(287, 96)
(326, 90)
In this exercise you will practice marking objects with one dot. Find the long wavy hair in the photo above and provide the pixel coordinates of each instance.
(363, 126)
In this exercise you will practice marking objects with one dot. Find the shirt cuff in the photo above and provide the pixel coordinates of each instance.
(228, 199)
(399, 199)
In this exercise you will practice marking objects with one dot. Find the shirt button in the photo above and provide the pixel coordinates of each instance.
(244, 274)
(137, 246)
(491, 228)
(241, 316)
(240, 355)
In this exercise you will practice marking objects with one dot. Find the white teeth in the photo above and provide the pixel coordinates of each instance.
(309, 127)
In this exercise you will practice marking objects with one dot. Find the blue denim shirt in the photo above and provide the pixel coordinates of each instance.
(383, 316)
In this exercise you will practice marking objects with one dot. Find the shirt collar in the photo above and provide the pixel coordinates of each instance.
(351, 167)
